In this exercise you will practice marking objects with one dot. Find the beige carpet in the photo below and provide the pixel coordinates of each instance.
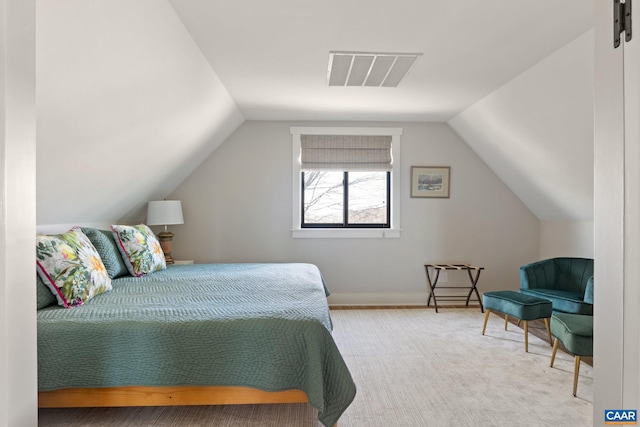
(412, 367)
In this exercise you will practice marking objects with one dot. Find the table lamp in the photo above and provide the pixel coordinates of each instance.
(165, 212)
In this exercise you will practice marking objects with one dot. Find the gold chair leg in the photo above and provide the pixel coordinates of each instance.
(519, 320)
(553, 353)
(546, 323)
(526, 336)
(506, 321)
(486, 317)
(576, 373)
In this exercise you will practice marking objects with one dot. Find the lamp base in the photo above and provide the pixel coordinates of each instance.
(166, 241)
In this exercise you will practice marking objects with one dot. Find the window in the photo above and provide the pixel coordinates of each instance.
(346, 182)
(345, 199)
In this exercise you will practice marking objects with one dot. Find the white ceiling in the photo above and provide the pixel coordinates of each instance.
(132, 96)
(127, 107)
(536, 133)
(272, 56)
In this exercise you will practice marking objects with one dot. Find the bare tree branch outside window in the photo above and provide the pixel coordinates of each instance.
(324, 197)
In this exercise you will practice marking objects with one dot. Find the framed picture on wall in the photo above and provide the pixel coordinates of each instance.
(430, 181)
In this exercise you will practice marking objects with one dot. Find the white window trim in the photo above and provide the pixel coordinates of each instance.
(299, 232)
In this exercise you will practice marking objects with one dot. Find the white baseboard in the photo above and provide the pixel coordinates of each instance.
(417, 299)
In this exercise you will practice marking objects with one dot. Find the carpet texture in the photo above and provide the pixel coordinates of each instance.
(412, 367)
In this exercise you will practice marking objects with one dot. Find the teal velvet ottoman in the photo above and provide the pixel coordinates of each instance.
(521, 306)
(575, 331)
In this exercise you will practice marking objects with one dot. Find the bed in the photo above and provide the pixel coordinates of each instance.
(197, 334)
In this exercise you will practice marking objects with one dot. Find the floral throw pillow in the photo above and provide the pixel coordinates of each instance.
(140, 249)
(70, 267)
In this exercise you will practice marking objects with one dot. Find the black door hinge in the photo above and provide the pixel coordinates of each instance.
(621, 21)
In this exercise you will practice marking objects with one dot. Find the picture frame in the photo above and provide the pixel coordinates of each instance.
(430, 181)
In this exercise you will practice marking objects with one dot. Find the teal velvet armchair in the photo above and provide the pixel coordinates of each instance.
(575, 331)
(563, 281)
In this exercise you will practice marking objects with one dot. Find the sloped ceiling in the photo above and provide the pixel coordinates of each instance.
(536, 133)
(127, 108)
(133, 96)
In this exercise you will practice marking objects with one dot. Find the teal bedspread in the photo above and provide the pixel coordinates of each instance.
(265, 326)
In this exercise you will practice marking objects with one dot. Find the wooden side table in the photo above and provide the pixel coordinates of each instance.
(474, 275)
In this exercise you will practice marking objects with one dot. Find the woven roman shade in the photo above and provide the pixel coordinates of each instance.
(345, 152)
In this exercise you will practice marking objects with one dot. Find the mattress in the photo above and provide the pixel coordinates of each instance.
(265, 326)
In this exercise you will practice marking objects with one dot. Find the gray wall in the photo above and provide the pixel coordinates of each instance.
(237, 208)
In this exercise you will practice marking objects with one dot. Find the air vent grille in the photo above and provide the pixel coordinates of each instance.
(369, 69)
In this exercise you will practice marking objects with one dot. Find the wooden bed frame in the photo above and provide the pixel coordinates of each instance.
(165, 396)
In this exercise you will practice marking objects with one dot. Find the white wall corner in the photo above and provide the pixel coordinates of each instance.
(566, 239)
(18, 357)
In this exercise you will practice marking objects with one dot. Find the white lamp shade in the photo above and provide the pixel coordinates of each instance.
(164, 212)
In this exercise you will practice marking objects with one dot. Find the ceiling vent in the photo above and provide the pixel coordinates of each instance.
(369, 69)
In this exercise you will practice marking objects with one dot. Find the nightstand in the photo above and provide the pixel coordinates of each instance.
(182, 261)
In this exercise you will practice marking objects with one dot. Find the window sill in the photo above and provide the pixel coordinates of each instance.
(340, 233)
